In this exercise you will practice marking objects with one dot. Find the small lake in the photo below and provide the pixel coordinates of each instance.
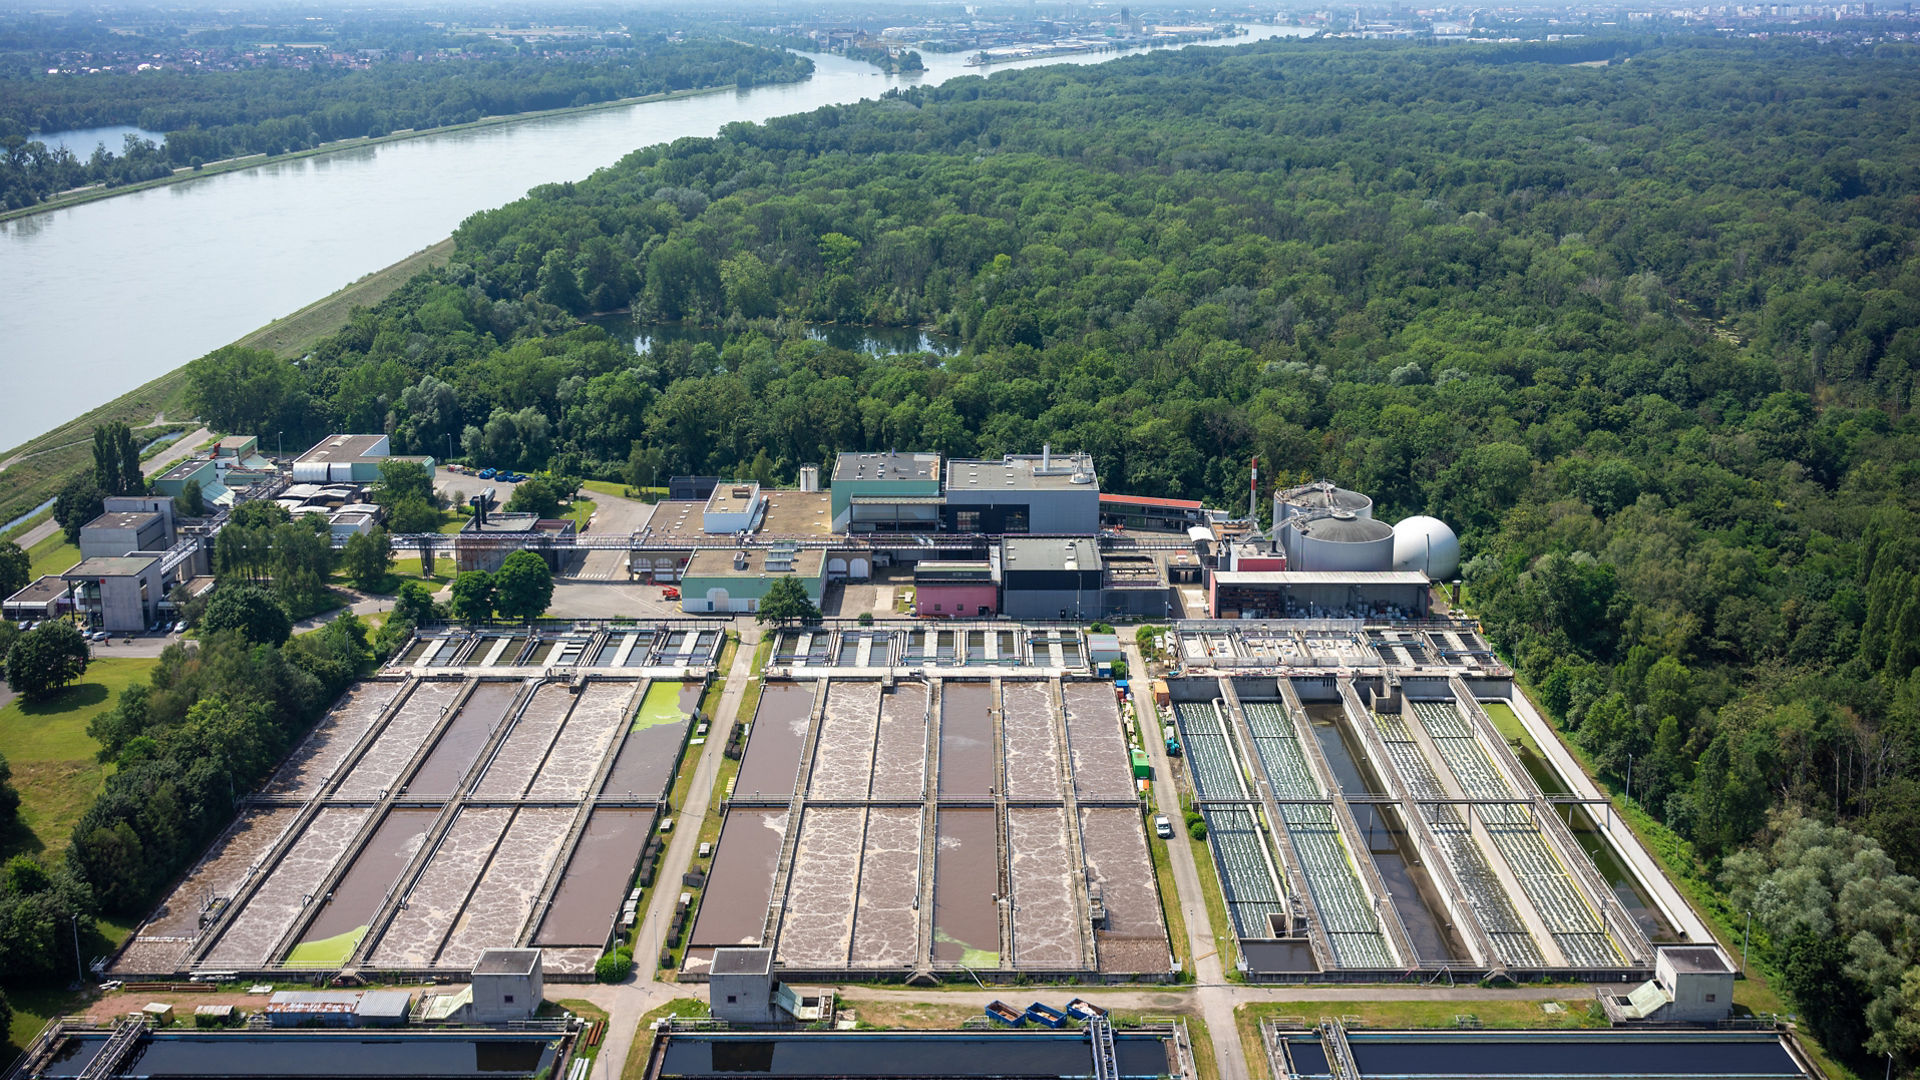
(82, 140)
(878, 340)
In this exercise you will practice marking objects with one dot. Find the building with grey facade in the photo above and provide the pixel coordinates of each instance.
(1051, 577)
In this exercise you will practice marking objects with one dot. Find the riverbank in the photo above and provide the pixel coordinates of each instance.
(36, 470)
(81, 196)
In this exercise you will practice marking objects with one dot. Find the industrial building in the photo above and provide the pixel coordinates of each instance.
(120, 594)
(1144, 513)
(145, 526)
(1327, 556)
(1051, 578)
(355, 458)
(718, 580)
(957, 588)
(1020, 493)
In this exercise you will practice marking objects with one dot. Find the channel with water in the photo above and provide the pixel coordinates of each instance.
(1415, 896)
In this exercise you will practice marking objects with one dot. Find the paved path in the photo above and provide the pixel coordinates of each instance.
(1205, 939)
(177, 450)
(628, 1002)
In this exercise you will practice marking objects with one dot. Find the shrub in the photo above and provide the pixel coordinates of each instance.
(866, 618)
(614, 967)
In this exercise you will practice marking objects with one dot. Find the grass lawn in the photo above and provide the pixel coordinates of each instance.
(622, 491)
(685, 1008)
(52, 756)
(1170, 902)
(1225, 943)
(1404, 1014)
(579, 510)
(52, 555)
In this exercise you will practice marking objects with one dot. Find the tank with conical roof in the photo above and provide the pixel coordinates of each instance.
(1337, 540)
(1318, 498)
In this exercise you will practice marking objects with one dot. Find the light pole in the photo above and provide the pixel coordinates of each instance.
(1629, 777)
(79, 973)
(1743, 941)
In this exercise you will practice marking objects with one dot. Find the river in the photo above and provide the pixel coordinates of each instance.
(107, 295)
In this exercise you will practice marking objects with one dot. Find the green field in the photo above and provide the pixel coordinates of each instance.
(53, 757)
(53, 555)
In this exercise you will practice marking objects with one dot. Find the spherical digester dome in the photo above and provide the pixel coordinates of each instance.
(1427, 545)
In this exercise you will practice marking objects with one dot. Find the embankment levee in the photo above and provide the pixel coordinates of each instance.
(35, 471)
(79, 196)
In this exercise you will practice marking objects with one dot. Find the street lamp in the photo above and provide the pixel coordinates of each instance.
(1629, 777)
(1743, 941)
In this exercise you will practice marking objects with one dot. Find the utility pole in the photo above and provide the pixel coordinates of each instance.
(79, 972)
(1629, 777)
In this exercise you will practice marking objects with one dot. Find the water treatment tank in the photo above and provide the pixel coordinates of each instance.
(1338, 541)
(1318, 498)
(1427, 545)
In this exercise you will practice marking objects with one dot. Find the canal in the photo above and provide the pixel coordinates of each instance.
(190, 267)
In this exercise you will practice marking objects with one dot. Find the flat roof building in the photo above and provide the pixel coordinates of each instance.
(737, 580)
(1298, 594)
(889, 491)
(117, 532)
(121, 593)
(1050, 577)
(44, 598)
(1018, 493)
(1023, 493)
(349, 457)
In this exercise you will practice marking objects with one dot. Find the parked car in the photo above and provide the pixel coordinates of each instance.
(487, 474)
(176, 627)
(1162, 827)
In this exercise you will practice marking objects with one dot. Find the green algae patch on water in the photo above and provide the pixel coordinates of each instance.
(326, 952)
(660, 706)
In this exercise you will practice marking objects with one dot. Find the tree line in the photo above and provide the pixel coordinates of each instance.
(210, 115)
(1666, 402)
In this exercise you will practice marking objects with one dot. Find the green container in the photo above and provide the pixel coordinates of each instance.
(1142, 768)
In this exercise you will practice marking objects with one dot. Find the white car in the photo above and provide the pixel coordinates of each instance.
(1162, 827)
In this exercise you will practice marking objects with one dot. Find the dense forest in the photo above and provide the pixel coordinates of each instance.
(209, 115)
(1646, 333)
